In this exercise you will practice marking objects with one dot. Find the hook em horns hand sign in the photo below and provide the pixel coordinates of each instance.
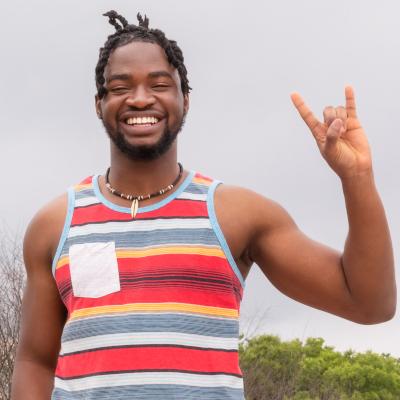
(340, 138)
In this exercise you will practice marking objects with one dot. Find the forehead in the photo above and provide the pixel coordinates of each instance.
(139, 58)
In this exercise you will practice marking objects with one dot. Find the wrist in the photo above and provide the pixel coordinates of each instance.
(358, 179)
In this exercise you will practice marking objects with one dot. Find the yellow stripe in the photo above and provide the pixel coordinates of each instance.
(202, 180)
(83, 186)
(203, 251)
(156, 307)
(62, 261)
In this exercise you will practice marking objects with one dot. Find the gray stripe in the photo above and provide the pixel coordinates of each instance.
(151, 392)
(181, 323)
(196, 188)
(147, 238)
(84, 193)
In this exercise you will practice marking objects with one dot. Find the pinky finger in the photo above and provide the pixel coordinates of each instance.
(350, 102)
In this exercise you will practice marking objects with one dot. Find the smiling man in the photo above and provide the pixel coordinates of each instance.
(135, 277)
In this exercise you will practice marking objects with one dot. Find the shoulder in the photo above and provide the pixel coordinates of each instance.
(249, 207)
(246, 218)
(44, 231)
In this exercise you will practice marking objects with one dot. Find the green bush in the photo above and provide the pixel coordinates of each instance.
(292, 370)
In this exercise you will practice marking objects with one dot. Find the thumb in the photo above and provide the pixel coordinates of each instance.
(335, 130)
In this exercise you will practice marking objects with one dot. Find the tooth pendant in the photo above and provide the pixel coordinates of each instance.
(134, 207)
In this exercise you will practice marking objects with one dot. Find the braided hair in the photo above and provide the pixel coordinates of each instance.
(127, 33)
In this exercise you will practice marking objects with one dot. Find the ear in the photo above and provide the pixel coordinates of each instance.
(98, 106)
(186, 103)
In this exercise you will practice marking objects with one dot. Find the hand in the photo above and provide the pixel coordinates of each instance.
(340, 138)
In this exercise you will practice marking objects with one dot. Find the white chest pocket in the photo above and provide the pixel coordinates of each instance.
(94, 269)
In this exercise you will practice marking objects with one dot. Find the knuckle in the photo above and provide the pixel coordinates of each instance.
(340, 109)
(308, 114)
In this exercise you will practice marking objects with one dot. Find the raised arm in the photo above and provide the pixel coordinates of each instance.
(43, 313)
(357, 284)
(367, 260)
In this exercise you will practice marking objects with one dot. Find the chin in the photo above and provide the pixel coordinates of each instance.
(145, 150)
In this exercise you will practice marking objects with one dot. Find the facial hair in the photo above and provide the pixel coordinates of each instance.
(145, 153)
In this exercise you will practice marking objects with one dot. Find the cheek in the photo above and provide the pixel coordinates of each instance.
(109, 109)
(176, 107)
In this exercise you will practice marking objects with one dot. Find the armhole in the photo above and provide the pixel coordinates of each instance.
(65, 231)
(218, 232)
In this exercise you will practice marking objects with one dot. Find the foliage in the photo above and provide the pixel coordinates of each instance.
(12, 278)
(292, 370)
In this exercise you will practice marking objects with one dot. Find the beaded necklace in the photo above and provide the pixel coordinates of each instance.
(135, 199)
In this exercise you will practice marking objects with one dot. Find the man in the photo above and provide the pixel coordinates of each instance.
(135, 277)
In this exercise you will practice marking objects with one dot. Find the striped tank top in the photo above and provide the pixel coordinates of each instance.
(153, 303)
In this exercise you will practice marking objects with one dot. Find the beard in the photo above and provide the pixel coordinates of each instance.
(144, 152)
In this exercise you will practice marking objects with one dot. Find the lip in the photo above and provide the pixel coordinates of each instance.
(141, 130)
(141, 114)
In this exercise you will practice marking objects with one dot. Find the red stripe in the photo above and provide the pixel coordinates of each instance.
(160, 295)
(212, 267)
(183, 261)
(86, 180)
(207, 266)
(101, 213)
(63, 273)
(148, 358)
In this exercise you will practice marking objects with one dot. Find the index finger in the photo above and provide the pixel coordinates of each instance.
(350, 102)
(308, 117)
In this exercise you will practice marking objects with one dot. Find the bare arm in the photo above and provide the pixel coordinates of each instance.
(43, 313)
(368, 255)
(367, 260)
(357, 284)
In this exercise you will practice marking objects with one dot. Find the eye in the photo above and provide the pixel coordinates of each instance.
(118, 89)
(160, 86)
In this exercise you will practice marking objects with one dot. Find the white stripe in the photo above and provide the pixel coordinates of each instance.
(162, 246)
(149, 378)
(149, 338)
(86, 201)
(140, 226)
(193, 196)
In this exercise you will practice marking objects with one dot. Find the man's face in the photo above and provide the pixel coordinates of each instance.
(144, 107)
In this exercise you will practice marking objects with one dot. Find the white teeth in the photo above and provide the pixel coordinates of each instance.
(143, 120)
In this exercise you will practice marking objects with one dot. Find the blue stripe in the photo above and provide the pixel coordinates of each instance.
(151, 392)
(67, 224)
(218, 231)
(169, 322)
(196, 188)
(161, 237)
(151, 207)
(81, 194)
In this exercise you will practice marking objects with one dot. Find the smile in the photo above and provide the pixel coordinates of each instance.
(148, 121)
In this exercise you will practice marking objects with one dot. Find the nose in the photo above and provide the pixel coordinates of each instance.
(140, 97)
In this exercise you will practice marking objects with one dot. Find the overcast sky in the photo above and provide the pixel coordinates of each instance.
(243, 61)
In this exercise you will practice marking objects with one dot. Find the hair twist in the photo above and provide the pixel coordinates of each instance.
(127, 33)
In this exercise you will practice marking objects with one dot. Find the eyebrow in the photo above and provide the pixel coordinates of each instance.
(118, 77)
(126, 77)
(158, 74)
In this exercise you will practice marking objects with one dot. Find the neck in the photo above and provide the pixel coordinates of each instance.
(140, 177)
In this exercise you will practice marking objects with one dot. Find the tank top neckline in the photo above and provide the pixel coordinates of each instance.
(150, 207)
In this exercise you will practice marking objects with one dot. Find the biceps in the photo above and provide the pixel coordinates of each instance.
(303, 269)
